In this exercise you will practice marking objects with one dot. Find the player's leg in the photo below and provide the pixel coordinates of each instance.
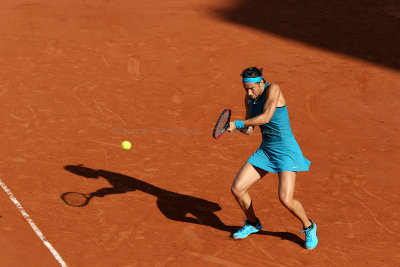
(287, 180)
(246, 177)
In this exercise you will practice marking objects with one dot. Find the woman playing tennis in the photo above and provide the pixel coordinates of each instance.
(278, 153)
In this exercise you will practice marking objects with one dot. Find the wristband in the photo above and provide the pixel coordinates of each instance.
(239, 124)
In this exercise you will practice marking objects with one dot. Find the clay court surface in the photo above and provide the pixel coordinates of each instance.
(79, 77)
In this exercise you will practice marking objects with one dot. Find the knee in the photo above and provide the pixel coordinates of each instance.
(286, 200)
(237, 191)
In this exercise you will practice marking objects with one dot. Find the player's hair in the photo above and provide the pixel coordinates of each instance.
(252, 72)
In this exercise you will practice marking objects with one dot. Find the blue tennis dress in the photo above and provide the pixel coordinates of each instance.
(279, 150)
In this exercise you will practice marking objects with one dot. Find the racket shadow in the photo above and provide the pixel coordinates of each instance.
(172, 205)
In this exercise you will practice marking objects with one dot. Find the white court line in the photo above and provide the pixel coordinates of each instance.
(33, 225)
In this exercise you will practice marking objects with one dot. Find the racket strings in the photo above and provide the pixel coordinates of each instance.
(222, 123)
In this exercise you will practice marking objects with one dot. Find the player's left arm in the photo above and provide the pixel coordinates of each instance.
(269, 108)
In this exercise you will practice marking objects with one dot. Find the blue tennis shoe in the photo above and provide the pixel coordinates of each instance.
(246, 230)
(311, 236)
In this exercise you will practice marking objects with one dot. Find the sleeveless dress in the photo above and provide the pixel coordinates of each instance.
(279, 150)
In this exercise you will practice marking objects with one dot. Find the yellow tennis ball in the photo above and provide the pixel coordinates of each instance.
(126, 145)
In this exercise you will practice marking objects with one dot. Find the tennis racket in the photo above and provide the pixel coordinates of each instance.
(76, 199)
(222, 123)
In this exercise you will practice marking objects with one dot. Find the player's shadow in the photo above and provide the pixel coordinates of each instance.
(173, 205)
(364, 29)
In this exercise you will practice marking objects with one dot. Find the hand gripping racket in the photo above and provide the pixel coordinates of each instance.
(222, 123)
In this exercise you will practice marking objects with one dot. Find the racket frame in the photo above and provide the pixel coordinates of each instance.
(226, 124)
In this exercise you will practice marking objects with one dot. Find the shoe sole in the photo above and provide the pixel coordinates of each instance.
(236, 238)
(311, 248)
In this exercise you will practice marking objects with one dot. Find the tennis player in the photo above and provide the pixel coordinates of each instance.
(278, 153)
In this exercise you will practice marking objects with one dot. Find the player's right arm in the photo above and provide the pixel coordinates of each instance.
(249, 130)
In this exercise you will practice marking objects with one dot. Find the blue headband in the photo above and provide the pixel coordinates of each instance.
(252, 80)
